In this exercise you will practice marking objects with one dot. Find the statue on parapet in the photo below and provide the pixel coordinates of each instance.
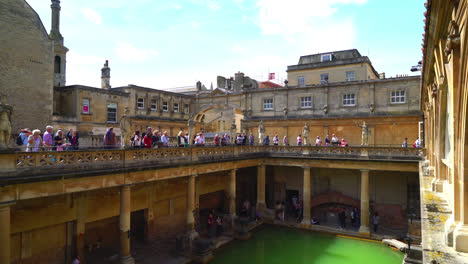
(305, 133)
(125, 126)
(6, 112)
(261, 132)
(365, 134)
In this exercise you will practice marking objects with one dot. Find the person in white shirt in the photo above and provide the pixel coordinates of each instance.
(202, 139)
(299, 140)
(276, 140)
(417, 143)
(165, 140)
(318, 142)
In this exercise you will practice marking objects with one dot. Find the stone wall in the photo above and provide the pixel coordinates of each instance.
(26, 71)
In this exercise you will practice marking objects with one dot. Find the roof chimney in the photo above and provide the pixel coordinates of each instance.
(105, 76)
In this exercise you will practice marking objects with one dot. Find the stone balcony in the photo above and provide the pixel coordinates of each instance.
(24, 165)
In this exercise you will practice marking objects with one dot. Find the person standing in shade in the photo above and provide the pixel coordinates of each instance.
(48, 138)
(285, 141)
(210, 224)
(266, 141)
(219, 226)
(110, 139)
(251, 139)
(376, 221)
(405, 143)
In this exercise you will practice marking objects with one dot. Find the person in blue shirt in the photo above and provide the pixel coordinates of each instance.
(266, 141)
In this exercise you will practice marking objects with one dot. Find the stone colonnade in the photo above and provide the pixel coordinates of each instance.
(125, 211)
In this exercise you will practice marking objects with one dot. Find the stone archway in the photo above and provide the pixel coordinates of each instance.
(217, 118)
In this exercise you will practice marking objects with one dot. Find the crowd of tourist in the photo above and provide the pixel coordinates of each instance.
(59, 140)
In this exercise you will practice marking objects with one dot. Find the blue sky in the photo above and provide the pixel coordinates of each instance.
(164, 44)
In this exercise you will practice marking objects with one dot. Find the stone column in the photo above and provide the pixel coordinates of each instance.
(190, 204)
(306, 198)
(81, 212)
(232, 193)
(125, 211)
(364, 229)
(460, 241)
(261, 188)
(5, 233)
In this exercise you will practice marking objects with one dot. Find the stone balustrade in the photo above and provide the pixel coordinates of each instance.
(15, 164)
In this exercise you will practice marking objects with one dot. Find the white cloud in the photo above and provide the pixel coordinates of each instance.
(92, 15)
(129, 53)
(310, 23)
(237, 48)
(213, 5)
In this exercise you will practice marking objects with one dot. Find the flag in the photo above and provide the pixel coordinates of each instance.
(271, 76)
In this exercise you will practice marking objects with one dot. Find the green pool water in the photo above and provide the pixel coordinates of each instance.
(271, 244)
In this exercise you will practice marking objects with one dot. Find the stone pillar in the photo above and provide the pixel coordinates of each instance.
(460, 241)
(81, 211)
(125, 211)
(190, 204)
(232, 193)
(364, 230)
(261, 188)
(306, 197)
(5, 233)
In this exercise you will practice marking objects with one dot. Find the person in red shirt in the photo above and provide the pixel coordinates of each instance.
(148, 139)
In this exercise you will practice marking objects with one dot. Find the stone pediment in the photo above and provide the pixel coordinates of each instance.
(219, 91)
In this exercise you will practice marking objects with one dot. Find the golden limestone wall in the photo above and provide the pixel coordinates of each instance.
(39, 226)
(26, 73)
(382, 130)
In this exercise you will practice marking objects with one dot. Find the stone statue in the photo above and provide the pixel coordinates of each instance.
(365, 134)
(125, 126)
(5, 124)
(261, 132)
(305, 133)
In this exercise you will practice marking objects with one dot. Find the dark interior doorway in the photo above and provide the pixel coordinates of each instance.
(289, 195)
(138, 226)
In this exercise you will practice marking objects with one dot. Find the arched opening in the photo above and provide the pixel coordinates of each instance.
(219, 119)
(57, 64)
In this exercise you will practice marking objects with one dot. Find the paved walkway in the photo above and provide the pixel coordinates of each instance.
(435, 213)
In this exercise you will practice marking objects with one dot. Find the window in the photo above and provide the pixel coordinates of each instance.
(268, 104)
(112, 113)
(324, 78)
(176, 108)
(326, 57)
(154, 105)
(349, 99)
(57, 64)
(349, 76)
(85, 106)
(306, 102)
(165, 106)
(301, 81)
(141, 103)
(186, 108)
(398, 97)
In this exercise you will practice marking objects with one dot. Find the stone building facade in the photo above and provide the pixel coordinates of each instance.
(445, 104)
(26, 71)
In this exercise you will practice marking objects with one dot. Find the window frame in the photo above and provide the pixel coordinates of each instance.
(187, 108)
(344, 99)
(154, 104)
(303, 102)
(165, 106)
(302, 78)
(393, 95)
(265, 103)
(115, 114)
(322, 80)
(142, 103)
(83, 105)
(323, 56)
(175, 106)
(349, 79)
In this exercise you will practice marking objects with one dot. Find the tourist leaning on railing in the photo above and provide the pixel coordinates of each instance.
(285, 141)
(276, 140)
(34, 141)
